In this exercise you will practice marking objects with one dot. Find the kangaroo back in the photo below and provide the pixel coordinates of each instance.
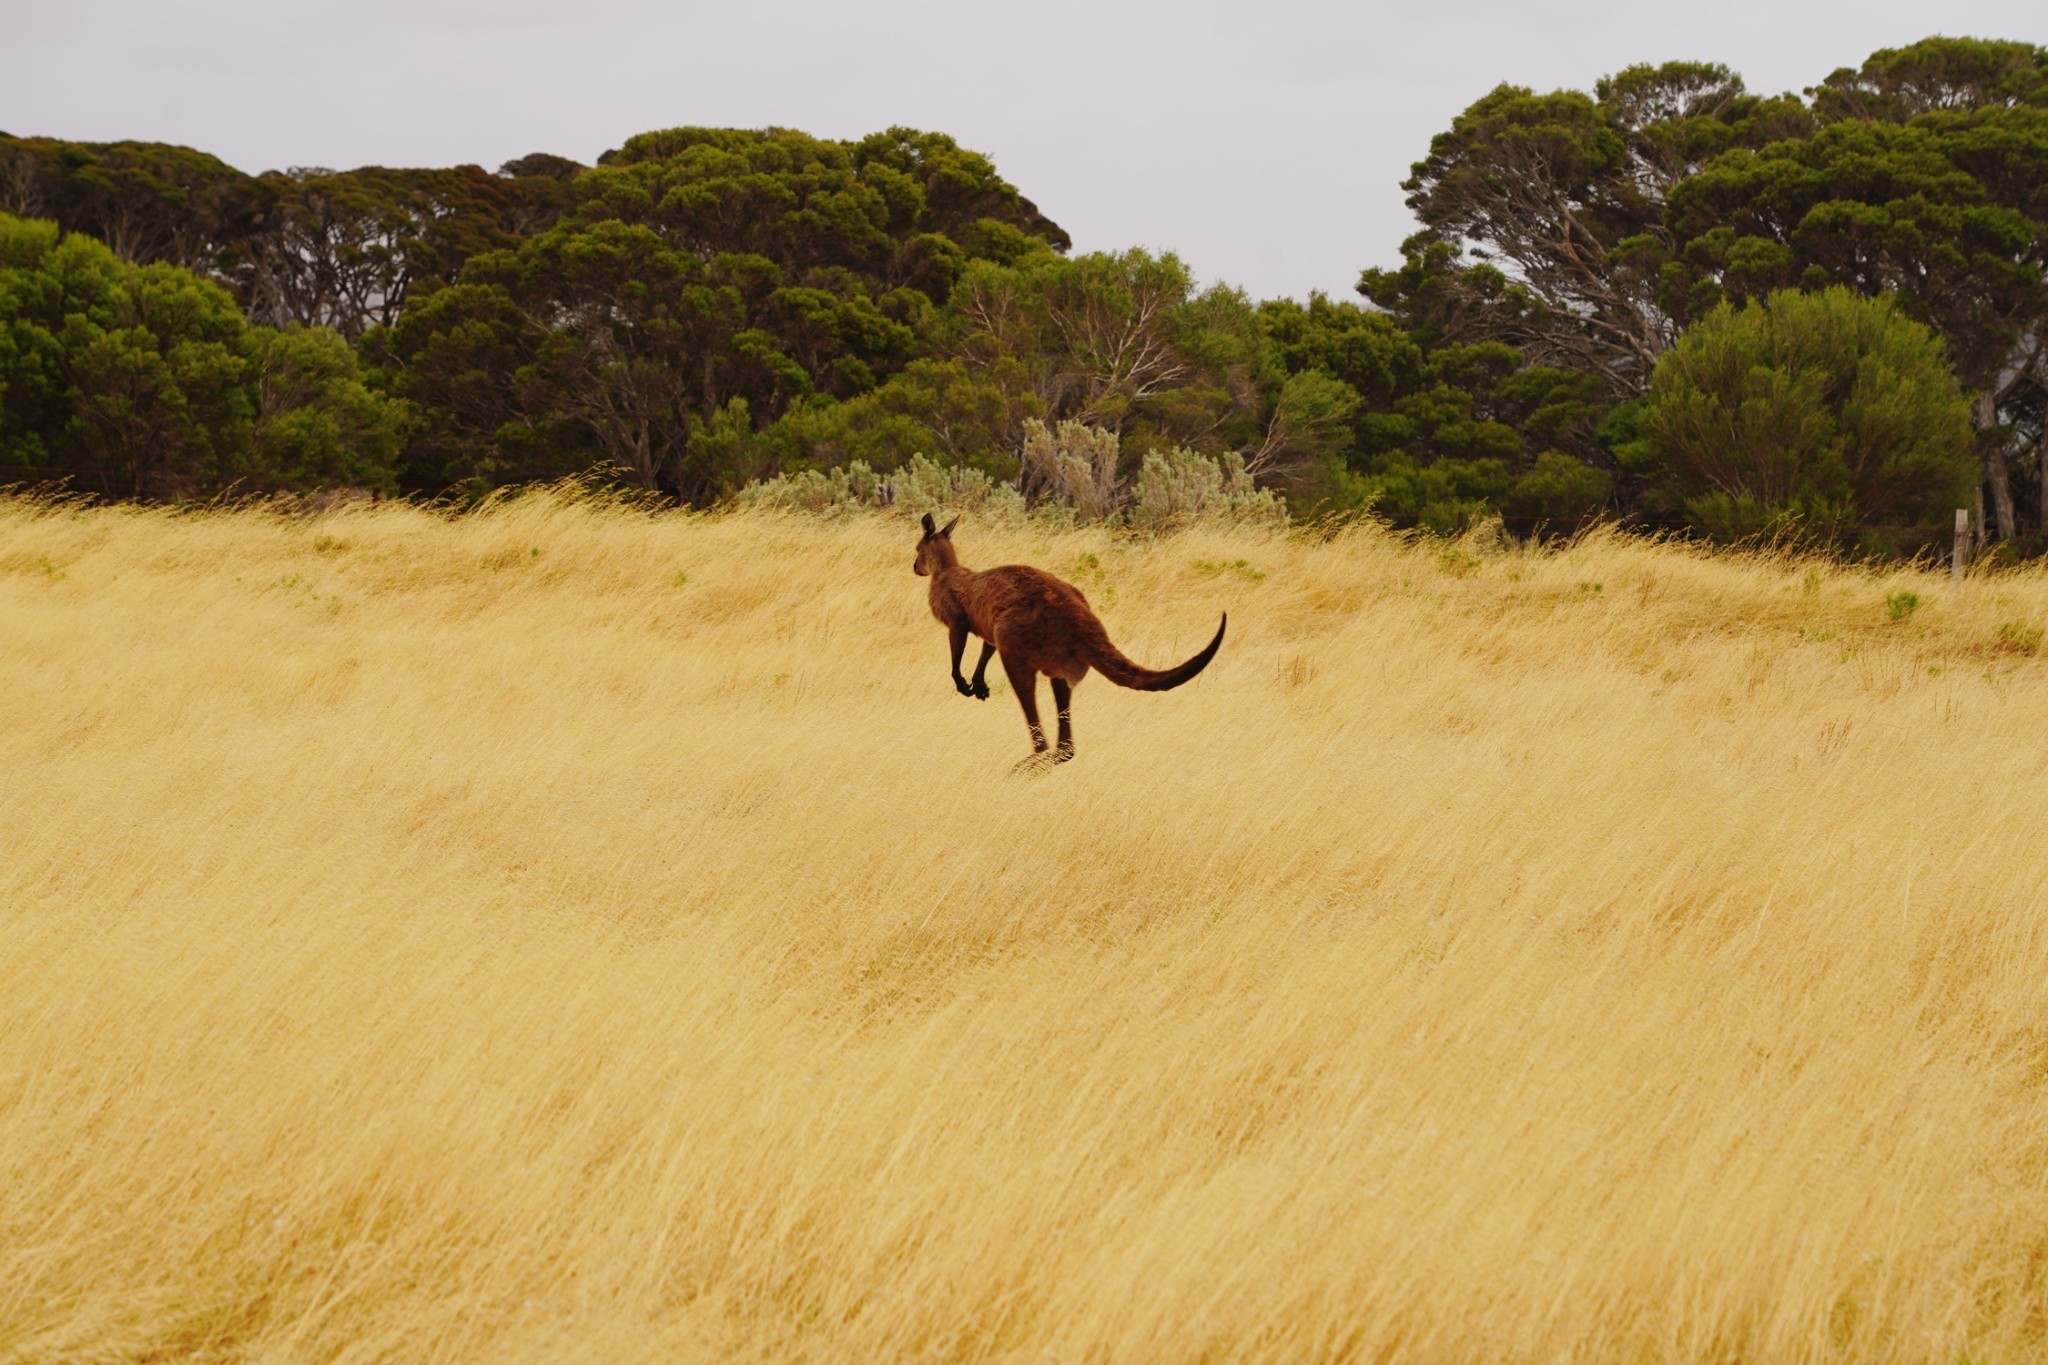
(1110, 662)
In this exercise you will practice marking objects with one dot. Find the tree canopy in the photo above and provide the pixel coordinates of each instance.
(146, 381)
(1590, 230)
(1826, 414)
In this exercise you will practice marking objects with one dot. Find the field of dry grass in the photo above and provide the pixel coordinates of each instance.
(570, 934)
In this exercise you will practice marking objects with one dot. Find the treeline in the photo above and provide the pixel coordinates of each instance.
(1590, 231)
(1617, 305)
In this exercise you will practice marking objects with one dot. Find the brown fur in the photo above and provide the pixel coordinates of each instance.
(1038, 624)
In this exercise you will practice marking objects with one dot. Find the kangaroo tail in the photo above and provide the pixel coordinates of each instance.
(1110, 662)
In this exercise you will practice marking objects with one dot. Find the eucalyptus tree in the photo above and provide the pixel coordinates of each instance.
(1824, 414)
(1544, 216)
(148, 201)
(144, 381)
(1926, 177)
(345, 249)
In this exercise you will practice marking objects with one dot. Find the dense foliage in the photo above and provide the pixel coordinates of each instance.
(1588, 231)
(705, 308)
(145, 381)
(1824, 413)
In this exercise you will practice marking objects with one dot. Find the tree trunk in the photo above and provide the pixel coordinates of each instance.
(2043, 453)
(1997, 474)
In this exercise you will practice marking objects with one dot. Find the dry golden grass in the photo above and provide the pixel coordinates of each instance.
(569, 934)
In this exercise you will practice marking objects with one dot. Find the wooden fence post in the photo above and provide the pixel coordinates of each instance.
(1961, 552)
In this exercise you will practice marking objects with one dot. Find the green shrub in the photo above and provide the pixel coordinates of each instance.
(922, 485)
(1180, 485)
(1173, 487)
(317, 425)
(1817, 415)
(1444, 497)
(1559, 486)
(1075, 465)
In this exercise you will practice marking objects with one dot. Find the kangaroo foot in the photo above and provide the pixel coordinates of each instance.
(961, 683)
(980, 692)
(1064, 755)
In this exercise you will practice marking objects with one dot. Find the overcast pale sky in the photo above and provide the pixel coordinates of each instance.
(1265, 143)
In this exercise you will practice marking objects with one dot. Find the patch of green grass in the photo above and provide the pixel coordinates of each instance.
(1089, 575)
(1902, 604)
(2019, 637)
(1456, 562)
(1239, 568)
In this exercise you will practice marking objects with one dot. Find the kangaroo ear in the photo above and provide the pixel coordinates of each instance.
(949, 528)
(929, 532)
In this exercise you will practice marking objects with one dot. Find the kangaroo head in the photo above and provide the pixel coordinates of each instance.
(935, 551)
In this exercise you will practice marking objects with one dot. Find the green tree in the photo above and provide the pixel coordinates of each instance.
(1544, 216)
(1925, 179)
(949, 195)
(703, 278)
(939, 408)
(1897, 84)
(1369, 351)
(317, 423)
(1123, 345)
(130, 380)
(634, 340)
(305, 247)
(144, 381)
(1827, 413)
(899, 209)
(345, 249)
(148, 201)
(1439, 433)
(455, 356)
(1479, 432)
(1123, 342)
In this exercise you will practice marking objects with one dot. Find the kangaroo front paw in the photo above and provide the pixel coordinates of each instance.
(961, 683)
(980, 689)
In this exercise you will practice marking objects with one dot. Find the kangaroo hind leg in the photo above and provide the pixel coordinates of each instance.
(1063, 698)
(1024, 682)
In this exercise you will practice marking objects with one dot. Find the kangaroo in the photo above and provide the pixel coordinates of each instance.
(1039, 624)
